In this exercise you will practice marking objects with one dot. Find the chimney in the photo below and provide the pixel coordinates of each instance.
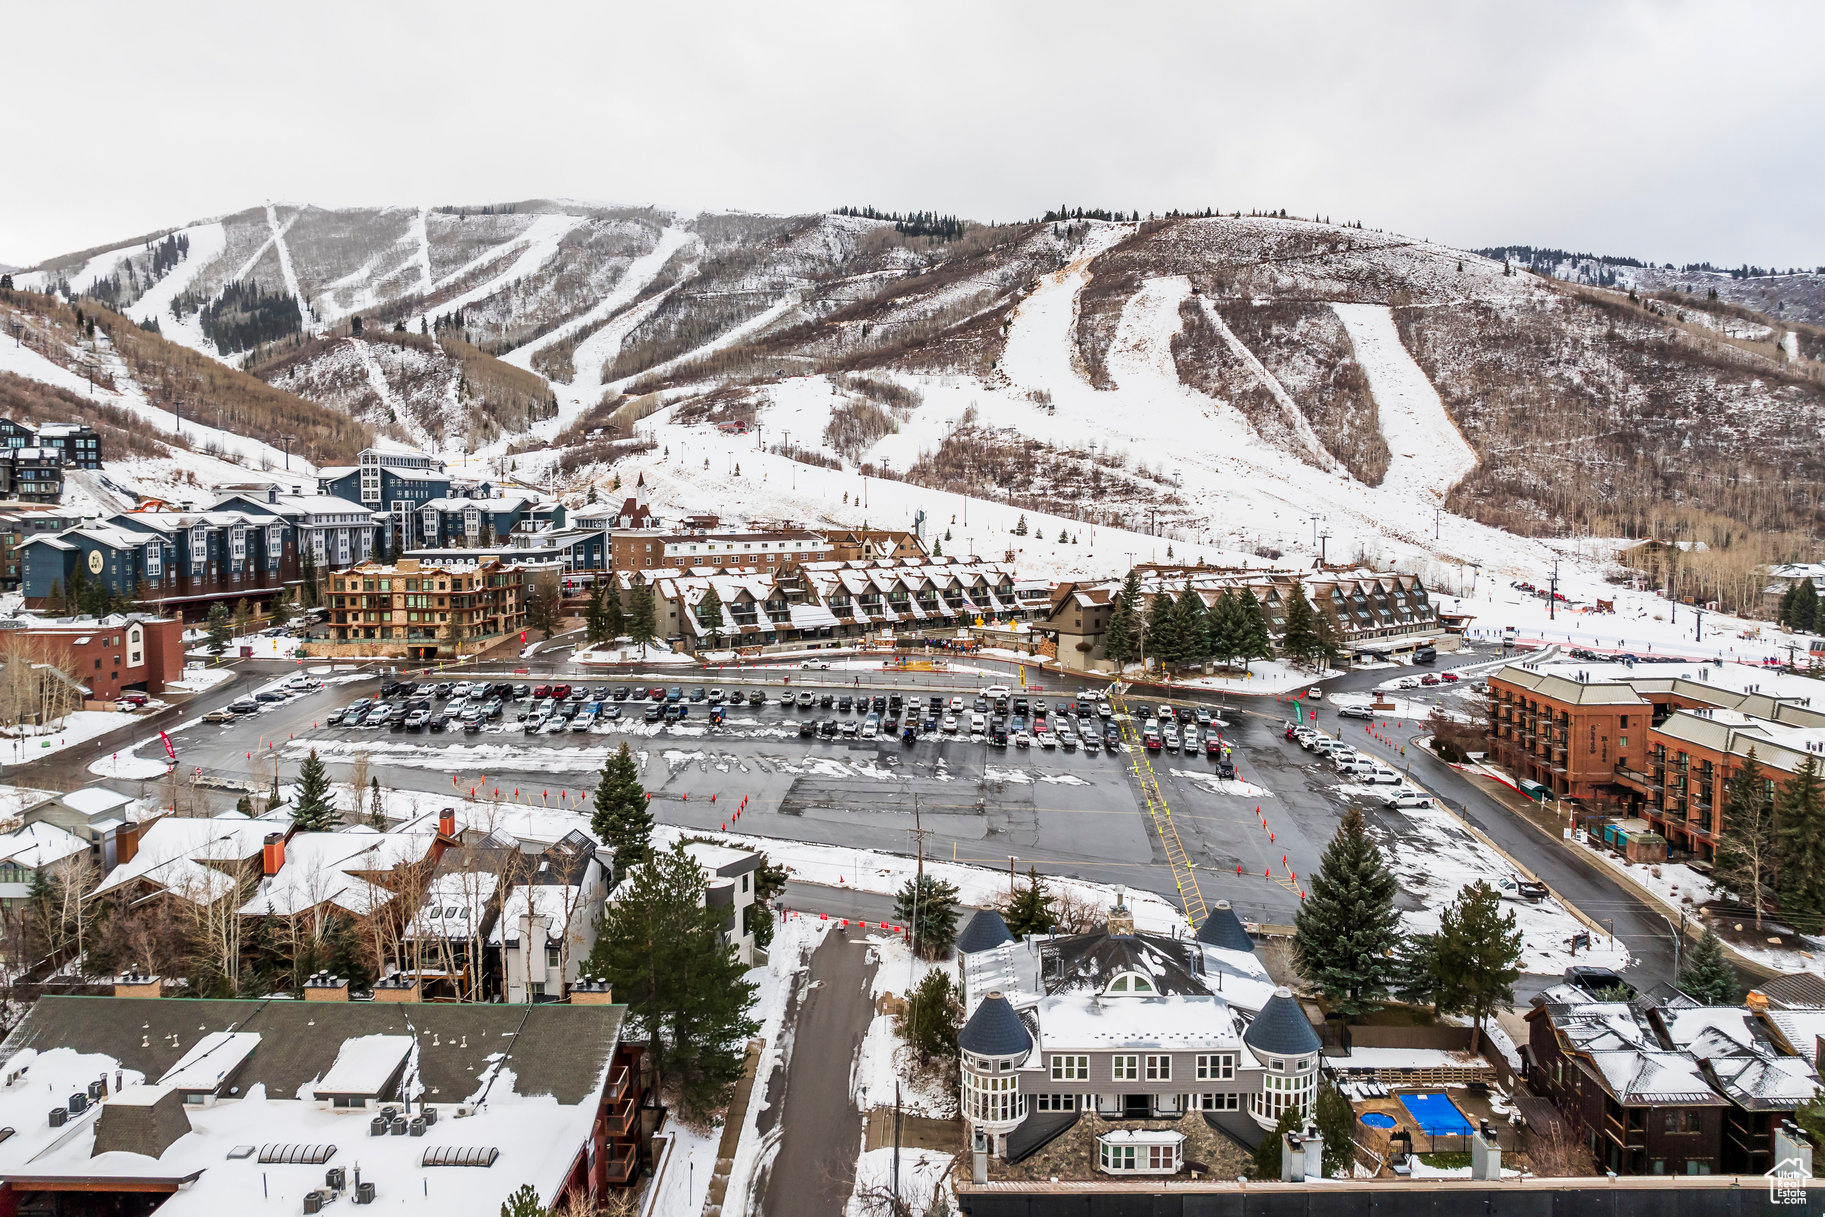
(1485, 1154)
(272, 854)
(1292, 1157)
(398, 988)
(446, 823)
(324, 987)
(138, 984)
(1121, 921)
(591, 991)
(1792, 1151)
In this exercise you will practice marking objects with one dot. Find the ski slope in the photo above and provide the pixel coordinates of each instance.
(1427, 454)
(539, 243)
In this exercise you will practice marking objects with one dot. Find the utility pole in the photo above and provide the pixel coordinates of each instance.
(1552, 594)
(919, 833)
(1323, 538)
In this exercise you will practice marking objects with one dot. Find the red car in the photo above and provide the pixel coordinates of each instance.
(1429, 679)
(542, 691)
(1449, 678)
(560, 691)
(655, 694)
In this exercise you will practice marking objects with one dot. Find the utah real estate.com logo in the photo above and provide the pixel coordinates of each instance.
(1787, 1182)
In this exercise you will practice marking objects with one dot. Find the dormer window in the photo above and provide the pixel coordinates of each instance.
(1130, 984)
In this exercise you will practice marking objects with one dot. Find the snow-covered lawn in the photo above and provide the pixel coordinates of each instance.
(199, 679)
(869, 870)
(885, 1059)
(924, 1173)
(21, 744)
(282, 647)
(632, 653)
(1264, 678)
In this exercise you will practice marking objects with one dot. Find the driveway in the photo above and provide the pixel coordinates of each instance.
(820, 1128)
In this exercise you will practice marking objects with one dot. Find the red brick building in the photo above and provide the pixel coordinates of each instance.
(113, 654)
(1657, 741)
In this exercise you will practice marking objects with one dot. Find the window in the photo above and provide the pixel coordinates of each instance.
(551, 957)
(1682, 1121)
(1118, 1157)
(1159, 1068)
(1125, 1068)
(1216, 1067)
(1162, 1157)
(1056, 1102)
(1070, 1068)
(1216, 1101)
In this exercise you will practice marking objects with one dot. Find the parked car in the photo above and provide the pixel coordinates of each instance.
(1355, 710)
(269, 696)
(807, 728)
(1404, 798)
(815, 663)
(223, 715)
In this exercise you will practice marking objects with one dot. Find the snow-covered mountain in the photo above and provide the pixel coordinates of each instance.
(1218, 385)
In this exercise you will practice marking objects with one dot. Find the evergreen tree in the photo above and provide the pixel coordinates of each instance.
(1785, 615)
(1029, 910)
(640, 612)
(1744, 862)
(661, 948)
(592, 616)
(1805, 612)
(613, 623)
(244, 806)
(932, 1018)
(54, 599)
(709, 616)
(1020, 528)
(377, 806)
(1347, 926)
(1410, 977)
(1800, 815)
(1299, 639)
(281, 608)
(221, 631)
(1705, 975)
(1121, 637)
(316, 810)
(1329, 635)
(928, 908)
(1476, 956)
(1223, 629)
(1064, 537)
(1193, 627)
(622, 818)
(1163, 641)
(937, 549)
(1251, 627)
(1336, 1120)
(524, 1202)
(307, 571)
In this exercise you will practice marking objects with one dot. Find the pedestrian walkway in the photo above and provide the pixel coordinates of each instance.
(732, 1124)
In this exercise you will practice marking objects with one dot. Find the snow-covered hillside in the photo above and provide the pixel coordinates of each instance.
(1227, 388)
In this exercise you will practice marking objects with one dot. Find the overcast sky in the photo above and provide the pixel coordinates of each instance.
(1669, 131)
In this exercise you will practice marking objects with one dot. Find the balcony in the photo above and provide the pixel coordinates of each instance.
(1643, 782)
(618, 1083)
(621, 1164)
(622, 1118)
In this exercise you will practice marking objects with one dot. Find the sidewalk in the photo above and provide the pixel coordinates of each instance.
(732, 1122)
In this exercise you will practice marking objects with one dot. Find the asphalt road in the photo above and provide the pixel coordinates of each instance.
(809, 1104)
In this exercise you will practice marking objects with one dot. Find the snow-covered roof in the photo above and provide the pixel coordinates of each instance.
(331, 868)
(94, 800)
(365, 1065)
(1076, 1022)
(39, 845)
(210, 1061)
(188, 857)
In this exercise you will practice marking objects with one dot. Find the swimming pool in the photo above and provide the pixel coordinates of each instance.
(1377, 1119)
(1435, 1113)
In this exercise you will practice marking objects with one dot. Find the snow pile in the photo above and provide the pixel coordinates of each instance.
(924, 1175)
